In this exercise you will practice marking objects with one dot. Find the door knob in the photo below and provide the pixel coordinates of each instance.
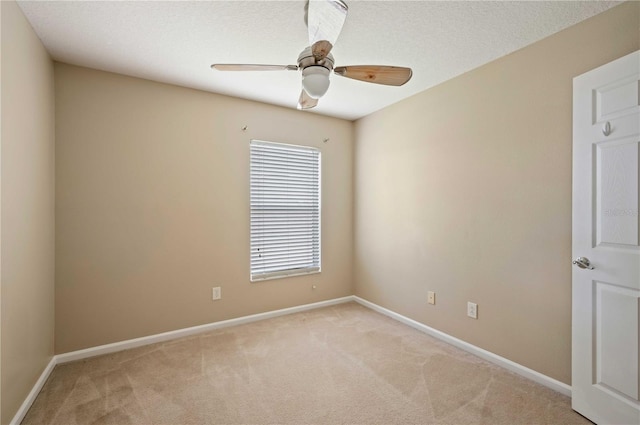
(583, 263)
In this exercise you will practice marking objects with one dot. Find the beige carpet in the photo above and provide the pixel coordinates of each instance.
(337, 365)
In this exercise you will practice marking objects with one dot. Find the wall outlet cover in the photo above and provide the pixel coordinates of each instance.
(217, 293)
(472, 310)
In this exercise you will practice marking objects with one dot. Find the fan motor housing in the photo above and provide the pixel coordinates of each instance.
(306, 59)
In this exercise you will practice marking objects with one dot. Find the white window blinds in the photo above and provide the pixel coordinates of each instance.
(285, 210)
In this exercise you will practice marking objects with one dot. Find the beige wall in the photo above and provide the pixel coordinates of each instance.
(152, 207)
(27, 286)
(465, 189)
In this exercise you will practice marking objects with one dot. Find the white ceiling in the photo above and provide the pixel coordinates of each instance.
(176, 41)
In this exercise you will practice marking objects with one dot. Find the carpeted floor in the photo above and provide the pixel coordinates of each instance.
(338, 365)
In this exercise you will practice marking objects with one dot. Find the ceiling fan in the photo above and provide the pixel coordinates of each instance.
(324, 19)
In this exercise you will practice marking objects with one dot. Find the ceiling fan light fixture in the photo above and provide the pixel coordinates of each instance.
(315, 81)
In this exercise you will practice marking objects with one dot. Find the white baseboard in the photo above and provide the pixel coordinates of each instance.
(538, 377)
(26, 404)
(166, 336)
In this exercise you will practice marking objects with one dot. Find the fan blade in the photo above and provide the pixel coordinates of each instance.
(306, 101)
(325, 19)
(248, 67)
(387, 75)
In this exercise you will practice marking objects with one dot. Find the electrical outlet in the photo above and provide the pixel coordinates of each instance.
(217, 293)
(472, 310)
(431, 297)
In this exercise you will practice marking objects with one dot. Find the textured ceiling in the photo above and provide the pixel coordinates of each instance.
(176, 42)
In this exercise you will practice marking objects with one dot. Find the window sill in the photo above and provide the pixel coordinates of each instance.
(283, 276)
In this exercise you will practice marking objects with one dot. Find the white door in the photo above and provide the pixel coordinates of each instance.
(606, 233)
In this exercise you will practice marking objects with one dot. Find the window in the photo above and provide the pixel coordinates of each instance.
(285, 210)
